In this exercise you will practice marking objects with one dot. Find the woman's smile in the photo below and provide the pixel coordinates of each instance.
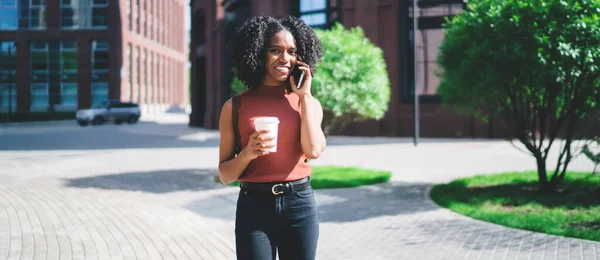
(283, 69)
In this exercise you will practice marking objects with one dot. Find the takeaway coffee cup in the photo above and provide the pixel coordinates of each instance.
(268, 123)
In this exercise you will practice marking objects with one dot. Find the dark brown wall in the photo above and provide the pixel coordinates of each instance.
(210, 98)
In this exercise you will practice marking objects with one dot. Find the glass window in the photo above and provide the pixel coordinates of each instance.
(151, 19)
(143, 18)
(39, 96)
(129, 72)
(84, 14)
(314, 12)
(144, 75)
(136, 16)
(99, 93)
(150, 93)
(128, 10)
(137, 82)
(8, 76)
(53, 75)
(22, 14)
(100, 13)
(9, 13)
(429, 38)
(99, 71)
(68, 94)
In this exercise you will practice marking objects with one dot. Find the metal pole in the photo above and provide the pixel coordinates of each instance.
(415, 64)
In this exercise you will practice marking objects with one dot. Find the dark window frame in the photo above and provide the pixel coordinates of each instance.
(406, 68)
(332, 11)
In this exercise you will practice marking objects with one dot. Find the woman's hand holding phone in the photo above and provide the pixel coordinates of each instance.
(304, 85)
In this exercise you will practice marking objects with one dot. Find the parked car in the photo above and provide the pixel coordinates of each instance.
(115, 111)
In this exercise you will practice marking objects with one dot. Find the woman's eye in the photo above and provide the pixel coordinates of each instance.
(274, 51)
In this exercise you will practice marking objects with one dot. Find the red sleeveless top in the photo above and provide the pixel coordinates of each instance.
(288, 163)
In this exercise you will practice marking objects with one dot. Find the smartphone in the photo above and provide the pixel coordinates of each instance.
(298, 76)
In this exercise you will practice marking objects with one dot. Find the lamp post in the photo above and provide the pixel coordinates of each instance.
(415, 64)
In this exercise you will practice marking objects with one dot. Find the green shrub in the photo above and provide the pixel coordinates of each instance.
(352, 81)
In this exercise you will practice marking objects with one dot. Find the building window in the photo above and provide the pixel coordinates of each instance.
(151, 83)
(9, 12)
(39, 96)
(8, 76)
(143, 18)
(431, 16)
(136, 83)
(159, 79)
(22, 14)
(151, 20)
(99, 64)
(53, 75)
(318, 13)
(32, 13)
(68, 94)
(128, 13)
(100, 13)
(144, 77)
(84, 14)
(136, 16)
(129, 68)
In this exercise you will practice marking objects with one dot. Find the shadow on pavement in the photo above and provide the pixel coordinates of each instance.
(152, 182)
(388, 199)
(340, 205)
(142, 135)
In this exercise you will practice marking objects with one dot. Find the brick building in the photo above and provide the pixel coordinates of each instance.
(387, 23)
(70, 54)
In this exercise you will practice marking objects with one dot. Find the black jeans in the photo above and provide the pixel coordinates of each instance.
(267, 223)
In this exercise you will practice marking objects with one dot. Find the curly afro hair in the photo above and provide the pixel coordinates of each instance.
(249, 46)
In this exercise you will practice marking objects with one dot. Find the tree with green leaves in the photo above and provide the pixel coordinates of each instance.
(532, 64)
(351, 82)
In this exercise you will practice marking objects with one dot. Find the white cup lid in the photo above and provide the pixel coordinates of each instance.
(267, 120)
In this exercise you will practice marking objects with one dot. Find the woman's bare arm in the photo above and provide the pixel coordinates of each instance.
(230, 166)
(311, 135)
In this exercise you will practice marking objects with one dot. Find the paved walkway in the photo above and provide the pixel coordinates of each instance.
(147, 192)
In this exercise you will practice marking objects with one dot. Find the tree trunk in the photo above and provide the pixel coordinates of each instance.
(545, 186)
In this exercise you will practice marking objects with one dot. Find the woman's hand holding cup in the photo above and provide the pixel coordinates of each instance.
(259, 144)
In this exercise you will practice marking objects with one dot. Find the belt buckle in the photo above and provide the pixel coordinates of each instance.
(277, 192)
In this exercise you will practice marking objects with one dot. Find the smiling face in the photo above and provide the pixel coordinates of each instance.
(280, 58)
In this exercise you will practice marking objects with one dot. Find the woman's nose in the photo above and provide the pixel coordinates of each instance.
(286, 57)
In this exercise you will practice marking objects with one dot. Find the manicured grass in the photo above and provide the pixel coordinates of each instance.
(513, 200)
(328, 177)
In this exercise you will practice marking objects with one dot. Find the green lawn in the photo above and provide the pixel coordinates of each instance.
(328, 177)
(513, 200)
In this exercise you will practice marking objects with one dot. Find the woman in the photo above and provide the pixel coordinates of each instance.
(276, 209)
